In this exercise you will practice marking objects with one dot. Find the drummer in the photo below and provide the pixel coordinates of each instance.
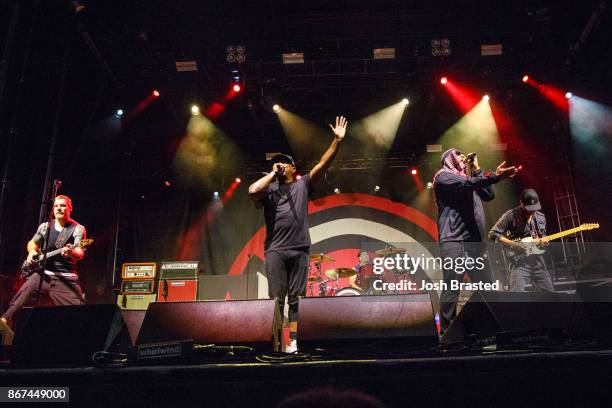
(364, 270)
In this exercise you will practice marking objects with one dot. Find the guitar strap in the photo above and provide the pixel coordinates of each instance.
(65, 235)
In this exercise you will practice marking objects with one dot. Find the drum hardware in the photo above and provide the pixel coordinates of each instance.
(320, 258)
(348, 291)
(391, 250)
(336, 273)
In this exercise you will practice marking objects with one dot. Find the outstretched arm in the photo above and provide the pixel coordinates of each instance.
(339, 131)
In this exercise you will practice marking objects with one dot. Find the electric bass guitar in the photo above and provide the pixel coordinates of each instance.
(531, 244)
(35, 266)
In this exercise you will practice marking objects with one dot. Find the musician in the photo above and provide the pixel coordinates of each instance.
(460, 187)
(60, 277)
(285, 203)
(364, 272)
(524, 221)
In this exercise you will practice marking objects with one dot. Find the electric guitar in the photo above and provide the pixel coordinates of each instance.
(28, 269)
(531, 244)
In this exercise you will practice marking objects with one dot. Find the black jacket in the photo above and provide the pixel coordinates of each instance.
(459, 199)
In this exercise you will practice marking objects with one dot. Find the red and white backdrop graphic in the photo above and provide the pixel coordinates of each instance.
(342, 224)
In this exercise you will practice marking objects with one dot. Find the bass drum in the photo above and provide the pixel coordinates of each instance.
(348, 292)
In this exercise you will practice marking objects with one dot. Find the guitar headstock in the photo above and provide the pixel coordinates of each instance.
(85, 242)
(586, 227)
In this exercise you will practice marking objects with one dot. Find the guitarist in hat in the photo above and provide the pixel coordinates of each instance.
(524, 221)
(60, 278)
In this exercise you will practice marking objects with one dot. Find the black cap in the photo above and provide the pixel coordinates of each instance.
(530, 200)
(283, 158)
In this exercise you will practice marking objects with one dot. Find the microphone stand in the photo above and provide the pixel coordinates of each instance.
(56, 186)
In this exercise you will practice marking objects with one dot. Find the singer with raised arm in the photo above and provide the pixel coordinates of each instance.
(60, 280)
(285, 203)
(460, 187)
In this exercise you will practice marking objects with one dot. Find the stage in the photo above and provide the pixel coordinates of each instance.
(522, 377)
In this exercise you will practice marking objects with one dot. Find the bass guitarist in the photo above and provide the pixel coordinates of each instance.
(60, 278)
(524, 221)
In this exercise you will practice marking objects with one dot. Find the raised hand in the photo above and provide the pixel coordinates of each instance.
(505, 172)
(340, 129)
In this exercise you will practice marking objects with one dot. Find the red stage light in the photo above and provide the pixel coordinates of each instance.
(298, 177)
(238, 180)
(443, 80)
(525, 78)
(155, 93)
(236, 88)
(167, 183)
(413, 172)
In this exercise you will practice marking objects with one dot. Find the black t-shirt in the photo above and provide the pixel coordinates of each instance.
(286, 213)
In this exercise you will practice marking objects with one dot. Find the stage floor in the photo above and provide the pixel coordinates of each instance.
(520, 377)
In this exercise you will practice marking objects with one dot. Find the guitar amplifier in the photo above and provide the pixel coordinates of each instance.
(135, 301)
(139, 271)
(178, 281)
(137, 287)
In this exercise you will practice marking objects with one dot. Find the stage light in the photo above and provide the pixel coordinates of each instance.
(238, 180)
(216, 194)
(568, 95)
(525, 78)
(414, 172)
(405, 101)
(429, 184)
(336, 190)
(376, 188)
(195, 110)
(299, 176)
(237, 88)
(155, 93)
(443, 80)
(485, 98)
(167, 183)
(119, 113)
(276, 108)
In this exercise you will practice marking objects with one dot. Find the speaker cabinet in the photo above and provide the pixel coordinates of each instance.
(344, 321)
(64, 335)
(254, 323)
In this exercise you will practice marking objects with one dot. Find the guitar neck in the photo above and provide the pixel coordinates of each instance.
(53, 252)
(562, 234)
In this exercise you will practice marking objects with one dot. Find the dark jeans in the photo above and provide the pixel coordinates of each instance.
(448, 297)
(287, 271)
(62, 292)
(532, 270)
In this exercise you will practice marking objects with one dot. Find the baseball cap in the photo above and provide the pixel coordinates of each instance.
(530, 199)
(283, 158)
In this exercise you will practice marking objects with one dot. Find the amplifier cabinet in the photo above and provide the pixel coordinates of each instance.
(177, 290)
(136, 301)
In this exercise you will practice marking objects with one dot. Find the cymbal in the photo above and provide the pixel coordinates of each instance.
(390, 251)
(320, 258)
(340, 273)
(314, 279)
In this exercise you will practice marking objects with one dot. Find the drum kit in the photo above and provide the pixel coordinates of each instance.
(327, 283)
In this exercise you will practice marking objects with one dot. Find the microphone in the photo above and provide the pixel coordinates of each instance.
(57, 183)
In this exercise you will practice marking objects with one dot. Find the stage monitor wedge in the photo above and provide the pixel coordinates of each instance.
(338, 322)
(253, 323)
(63, 336)
(490, 313)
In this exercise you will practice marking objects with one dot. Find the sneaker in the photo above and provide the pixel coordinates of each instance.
(291, 347)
